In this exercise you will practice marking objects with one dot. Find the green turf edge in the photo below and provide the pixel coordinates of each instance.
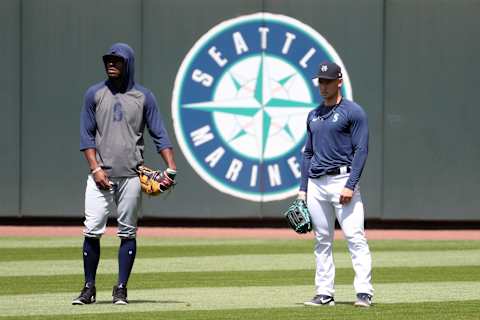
(68, 283)
(461, 310)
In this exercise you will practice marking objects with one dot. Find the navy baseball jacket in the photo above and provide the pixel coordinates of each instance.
(113, 122)
(336, 136)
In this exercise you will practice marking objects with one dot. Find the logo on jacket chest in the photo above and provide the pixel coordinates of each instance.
(240, 102)
(335, 117)
(335, 122)
(117, 112)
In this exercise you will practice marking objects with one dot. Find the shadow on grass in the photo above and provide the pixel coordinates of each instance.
(342, 303)
(148, 301)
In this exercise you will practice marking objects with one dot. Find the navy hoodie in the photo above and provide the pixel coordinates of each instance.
(113, 121)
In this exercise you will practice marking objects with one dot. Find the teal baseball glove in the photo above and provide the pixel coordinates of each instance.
(298, 217)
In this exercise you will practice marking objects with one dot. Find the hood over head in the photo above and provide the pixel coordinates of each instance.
(125, 52)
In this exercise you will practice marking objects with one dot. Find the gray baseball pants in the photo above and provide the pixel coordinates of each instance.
(123, 201)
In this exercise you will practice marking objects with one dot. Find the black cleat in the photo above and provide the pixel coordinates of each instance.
(320, 300)
(119, 295)
(363, 300)
(87, 296)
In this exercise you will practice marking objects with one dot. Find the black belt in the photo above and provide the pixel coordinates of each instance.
(335, 171)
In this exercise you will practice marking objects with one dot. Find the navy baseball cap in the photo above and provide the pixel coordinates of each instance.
(110, 56)
(328, 70)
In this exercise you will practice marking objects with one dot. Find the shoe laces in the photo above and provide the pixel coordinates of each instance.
(121, 292)
(86, 292)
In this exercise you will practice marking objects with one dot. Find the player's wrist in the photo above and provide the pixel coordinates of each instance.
(171, 173)
(95, 170)
(171, 164)
(302, 195)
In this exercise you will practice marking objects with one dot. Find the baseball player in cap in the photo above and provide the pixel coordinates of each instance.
(113, 119)
(333, 160)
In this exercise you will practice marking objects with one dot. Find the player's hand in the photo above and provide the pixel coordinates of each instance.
(302, 195)
(102, 180)
(346, 196)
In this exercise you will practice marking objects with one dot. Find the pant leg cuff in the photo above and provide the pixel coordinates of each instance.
(92, 235)
(127, 236)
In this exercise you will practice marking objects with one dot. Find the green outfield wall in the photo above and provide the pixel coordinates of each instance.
(413, 66)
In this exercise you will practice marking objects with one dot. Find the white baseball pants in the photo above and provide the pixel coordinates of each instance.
(124, 200)
(323, 203)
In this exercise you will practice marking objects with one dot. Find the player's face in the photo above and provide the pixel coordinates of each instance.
(329, 88)
(114, 67)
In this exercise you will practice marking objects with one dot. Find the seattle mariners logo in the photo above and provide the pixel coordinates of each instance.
(240, 102)
(335, 117)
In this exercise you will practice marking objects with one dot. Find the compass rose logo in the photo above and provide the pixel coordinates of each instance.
(241, 99)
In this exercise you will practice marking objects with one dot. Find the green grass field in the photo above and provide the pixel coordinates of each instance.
(238, 279)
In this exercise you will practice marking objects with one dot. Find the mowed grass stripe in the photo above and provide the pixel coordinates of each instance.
(67, 253)
(184, 299)
(52, 284)
(155, 251)
(245, 263)
(307, 245)
(459, 310)
(76, 242)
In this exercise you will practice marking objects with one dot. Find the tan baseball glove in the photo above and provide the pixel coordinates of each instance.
(155, 182)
